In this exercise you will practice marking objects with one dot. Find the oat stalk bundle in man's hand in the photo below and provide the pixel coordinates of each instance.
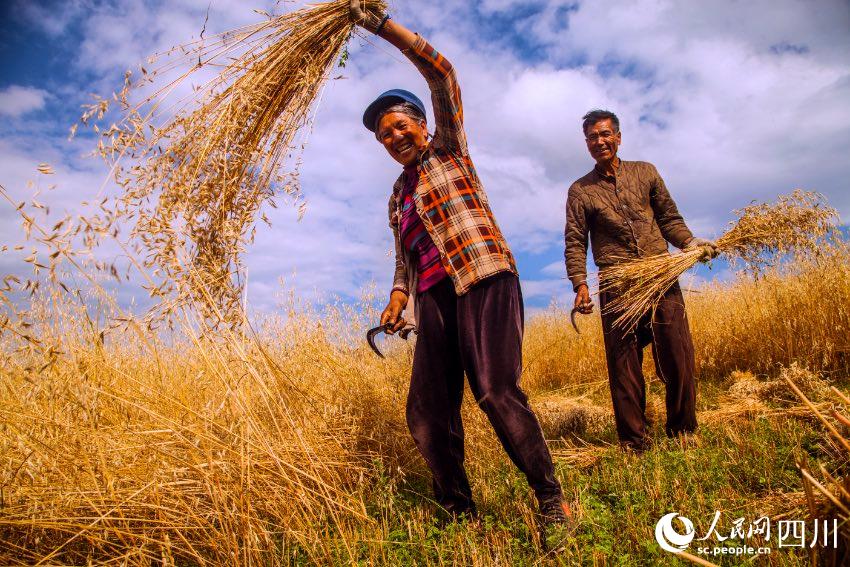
(795, 223)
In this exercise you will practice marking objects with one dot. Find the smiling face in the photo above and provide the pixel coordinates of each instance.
(603, 138)
(403, 136)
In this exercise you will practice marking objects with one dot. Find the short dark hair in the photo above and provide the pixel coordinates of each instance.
(406, 108)
(597, 115)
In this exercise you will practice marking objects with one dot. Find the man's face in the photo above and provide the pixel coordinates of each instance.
(602, 139)
(403, 137)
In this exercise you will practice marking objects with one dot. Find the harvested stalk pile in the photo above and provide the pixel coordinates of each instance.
(205, 165)
(795, 223)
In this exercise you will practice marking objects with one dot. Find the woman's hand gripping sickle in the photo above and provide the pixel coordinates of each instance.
(391, 321)
(392, 312)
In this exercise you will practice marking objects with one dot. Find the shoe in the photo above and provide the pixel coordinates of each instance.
(637, 447)
(688, 439)
(556, 523)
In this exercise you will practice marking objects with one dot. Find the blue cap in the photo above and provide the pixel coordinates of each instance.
(387, 99)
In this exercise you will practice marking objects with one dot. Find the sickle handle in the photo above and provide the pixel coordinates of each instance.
(405, 332)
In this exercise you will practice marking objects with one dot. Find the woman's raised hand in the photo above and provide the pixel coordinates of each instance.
(369, 20)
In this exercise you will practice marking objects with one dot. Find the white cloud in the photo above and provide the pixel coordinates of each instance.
(16, 100)
(543, 289)
(739, 118)
(555, 269)
(496, 6)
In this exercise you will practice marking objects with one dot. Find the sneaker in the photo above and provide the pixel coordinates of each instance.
(637, 447)
(556, 523)
(688, 439)
(554, 511)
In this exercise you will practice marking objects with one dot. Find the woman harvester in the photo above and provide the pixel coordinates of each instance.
(452, 257)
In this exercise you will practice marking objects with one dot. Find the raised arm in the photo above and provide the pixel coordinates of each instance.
(436, 69)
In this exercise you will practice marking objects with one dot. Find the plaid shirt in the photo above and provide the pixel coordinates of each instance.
(449, 197)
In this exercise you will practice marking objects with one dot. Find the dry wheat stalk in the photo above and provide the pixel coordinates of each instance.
(795, 223)
(203, 168)
(828, 496)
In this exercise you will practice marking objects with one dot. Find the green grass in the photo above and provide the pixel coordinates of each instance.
(744, 467)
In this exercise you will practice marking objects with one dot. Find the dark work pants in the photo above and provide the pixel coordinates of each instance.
(668, 333)
(479, 332)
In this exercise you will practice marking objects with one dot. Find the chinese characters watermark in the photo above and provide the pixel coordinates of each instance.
(737, 538)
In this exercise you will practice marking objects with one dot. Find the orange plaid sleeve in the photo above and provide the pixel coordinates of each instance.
(445, 94)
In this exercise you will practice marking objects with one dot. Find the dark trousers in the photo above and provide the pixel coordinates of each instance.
(668, 333)
(479, 332)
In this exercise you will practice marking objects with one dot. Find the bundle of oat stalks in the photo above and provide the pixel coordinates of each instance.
(795, 223)
(205, 165)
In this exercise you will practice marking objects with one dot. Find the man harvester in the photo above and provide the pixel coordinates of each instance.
(625, 209)
(451, 255)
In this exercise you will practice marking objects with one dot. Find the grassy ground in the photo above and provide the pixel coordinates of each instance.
(290, 447)
(742, 464)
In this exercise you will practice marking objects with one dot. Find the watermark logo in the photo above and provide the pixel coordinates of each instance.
(743, 538)
(669, 538)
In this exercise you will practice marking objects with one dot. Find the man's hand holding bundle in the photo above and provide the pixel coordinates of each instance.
(370, 20)
(709, 248)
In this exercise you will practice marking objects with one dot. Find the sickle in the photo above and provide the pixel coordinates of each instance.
(372, 333)
(370, 337)
(573, 319)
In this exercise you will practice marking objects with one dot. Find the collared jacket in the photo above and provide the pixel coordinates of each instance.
(628, 215)
(449, 197)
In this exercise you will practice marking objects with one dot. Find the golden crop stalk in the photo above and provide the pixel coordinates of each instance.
(763, 233)
(200, 179)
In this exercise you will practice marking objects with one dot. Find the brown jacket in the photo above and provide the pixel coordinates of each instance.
(626, 216)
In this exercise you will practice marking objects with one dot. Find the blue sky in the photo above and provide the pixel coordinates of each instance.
(733, 101)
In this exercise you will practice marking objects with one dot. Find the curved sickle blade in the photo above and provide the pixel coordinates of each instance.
(370, 338)
(573, 319)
